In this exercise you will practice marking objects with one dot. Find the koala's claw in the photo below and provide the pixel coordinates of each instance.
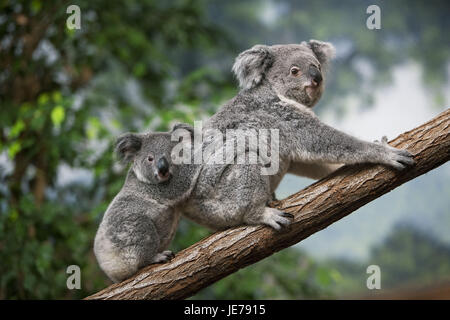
(163, 257)
(400, 158)
(287, 215)
(396, 158)
(276, 218)
(384, 141)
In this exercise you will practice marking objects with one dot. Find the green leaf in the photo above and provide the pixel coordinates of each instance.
(17, 129)
(335, 275)
(36, 6)
(43, 99)
(116, 124)
(14, 215)
(139, 69)
(57, 97)
(70, 32)
(94, 126)
(13, 149)
(323, 276)
(38, 120)
(58, 114)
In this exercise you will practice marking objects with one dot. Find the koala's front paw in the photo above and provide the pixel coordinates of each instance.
(276, 218)
(163, 257)
(393, 157)
(398, 158)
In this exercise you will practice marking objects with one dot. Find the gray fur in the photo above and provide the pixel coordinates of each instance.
(273, 97)
(140, 222)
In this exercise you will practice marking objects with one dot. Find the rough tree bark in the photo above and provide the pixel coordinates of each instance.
(314, 208)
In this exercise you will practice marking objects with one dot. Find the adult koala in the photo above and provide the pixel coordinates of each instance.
(279, 86)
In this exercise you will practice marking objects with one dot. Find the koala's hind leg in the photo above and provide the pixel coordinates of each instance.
(276, 218)
(238, 196)
(254, 194)
(162, 257)
(269, 216)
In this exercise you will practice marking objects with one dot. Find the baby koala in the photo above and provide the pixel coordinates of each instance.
(140, 222)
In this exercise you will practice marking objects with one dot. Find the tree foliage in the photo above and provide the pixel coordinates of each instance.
(64, 96)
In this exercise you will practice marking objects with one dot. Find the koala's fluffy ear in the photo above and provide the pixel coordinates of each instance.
(251, 65)
(179, 129)
(184, 126)
(127, 145)
(324, 51)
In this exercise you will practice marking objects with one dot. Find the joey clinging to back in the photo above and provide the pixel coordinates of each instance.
(140, 222)
(149, 154)
(152, 162)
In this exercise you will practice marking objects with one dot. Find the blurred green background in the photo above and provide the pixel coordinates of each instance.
(142, 65)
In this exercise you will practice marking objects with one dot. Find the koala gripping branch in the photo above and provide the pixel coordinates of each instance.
(314, 208)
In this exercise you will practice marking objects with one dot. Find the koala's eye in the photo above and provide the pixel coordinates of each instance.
(150, 159)
(295, 71)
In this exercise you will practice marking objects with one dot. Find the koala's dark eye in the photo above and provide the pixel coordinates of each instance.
(295, 71)
(150, 158)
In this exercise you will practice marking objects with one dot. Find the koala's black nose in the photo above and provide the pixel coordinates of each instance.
(315, 75)
(163, 166)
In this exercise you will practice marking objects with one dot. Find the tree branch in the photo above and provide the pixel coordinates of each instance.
(314, 208)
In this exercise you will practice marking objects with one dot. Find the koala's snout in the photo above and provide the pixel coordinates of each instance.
(315, 75)
(163, 167)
